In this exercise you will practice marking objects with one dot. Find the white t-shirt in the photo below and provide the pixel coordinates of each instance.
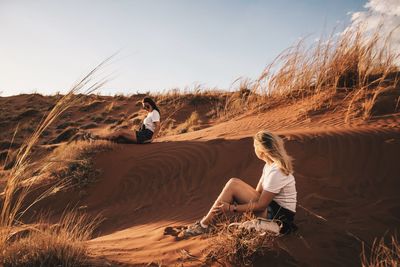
(284, 186)
(151, 118)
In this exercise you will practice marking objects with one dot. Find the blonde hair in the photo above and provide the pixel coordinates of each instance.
(273, 145)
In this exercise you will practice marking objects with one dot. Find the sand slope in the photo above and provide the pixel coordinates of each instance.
(350, 177)
(346, 174)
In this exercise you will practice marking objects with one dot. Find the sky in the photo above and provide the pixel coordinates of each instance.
(47, 45)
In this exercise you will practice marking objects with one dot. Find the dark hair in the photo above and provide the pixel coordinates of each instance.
(151, 103)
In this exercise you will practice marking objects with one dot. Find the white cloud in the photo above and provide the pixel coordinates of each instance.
(387, 7)
(380, 13)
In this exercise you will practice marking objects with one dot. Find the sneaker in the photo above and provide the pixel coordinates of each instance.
(89, 137)
(84, 136)
(195, 229)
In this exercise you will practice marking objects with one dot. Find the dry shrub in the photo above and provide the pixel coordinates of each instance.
(26, 249)
(48, 245)
(18, 187)
(93, 105)
(121, 97)
(238, 246)
(350, 59)
(173, 100)
(113, 105)
(355, 61)
(243, 99)
(72, 163)
(381, 101)
(190, 123)
(168, 127)
(317, 104)
(193, 96)
(382, 254)
(109, 107)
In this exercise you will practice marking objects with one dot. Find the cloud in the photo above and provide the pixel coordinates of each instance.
(387, 7)
(380, 13)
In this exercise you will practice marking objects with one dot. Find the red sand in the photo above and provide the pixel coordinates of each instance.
(349, 175)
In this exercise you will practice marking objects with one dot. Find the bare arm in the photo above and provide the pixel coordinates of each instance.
(156, 129)
(259, 188)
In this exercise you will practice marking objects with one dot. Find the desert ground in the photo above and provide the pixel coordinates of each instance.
(347, 174)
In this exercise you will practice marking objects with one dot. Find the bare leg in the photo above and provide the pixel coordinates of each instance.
(234, 190)
(125, 134)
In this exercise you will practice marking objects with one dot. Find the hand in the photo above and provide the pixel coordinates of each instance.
(221, 207)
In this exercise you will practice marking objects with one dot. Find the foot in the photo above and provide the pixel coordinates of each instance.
(89, 137)
(195, 229)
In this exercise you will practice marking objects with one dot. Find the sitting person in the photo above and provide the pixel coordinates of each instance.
(148, 130)
(274, 198)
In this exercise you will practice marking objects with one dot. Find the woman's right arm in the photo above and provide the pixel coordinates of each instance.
(259, 187)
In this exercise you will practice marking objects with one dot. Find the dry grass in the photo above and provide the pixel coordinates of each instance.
(110, 107)
(49, 245)
(382, 254)
(174, 99)
(352, 61)
(353, 68)
(192, 96)
(72, 164)
(244, 99)
(173, 102)
(45, 246)
(190, 123)
(24, 168)
(348, 60)
(238, 246)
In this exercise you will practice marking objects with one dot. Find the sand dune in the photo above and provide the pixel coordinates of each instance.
(350, 177)
(347, 180)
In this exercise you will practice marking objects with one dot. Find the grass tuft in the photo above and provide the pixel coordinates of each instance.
(353, 62)
(190, 123)
(238, 246)
(382, 254)
(42, 244)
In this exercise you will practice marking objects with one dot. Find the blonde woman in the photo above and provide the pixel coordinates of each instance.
(275, 196)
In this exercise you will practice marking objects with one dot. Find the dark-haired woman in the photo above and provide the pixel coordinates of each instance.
(148, 130)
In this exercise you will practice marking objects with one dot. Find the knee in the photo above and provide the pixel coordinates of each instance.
(233, 181)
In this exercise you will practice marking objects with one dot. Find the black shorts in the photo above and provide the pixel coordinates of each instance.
(143, 135)
(277, 212)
